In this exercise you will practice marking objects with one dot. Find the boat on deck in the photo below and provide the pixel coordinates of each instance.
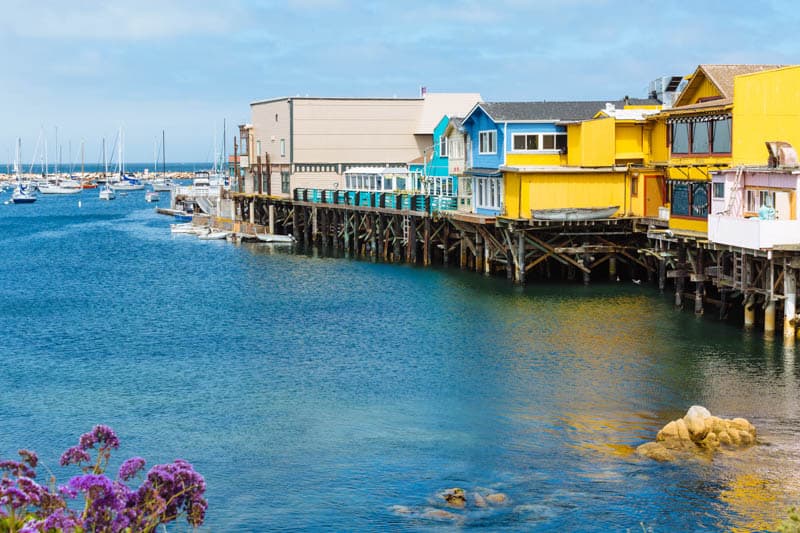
(274, 238)
(569, 214)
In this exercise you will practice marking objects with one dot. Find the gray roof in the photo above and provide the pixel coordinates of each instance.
(567, 111)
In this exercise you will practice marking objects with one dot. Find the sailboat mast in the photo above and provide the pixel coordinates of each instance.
(105, 162)
(163, 154)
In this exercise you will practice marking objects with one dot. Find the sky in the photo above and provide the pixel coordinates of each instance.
(88, 68)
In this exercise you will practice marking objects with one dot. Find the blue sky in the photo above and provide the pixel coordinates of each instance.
(89, 67)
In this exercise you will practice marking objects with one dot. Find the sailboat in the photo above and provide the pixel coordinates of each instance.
(125, 182)
(21, 194)
(106, 192)
(162, 184)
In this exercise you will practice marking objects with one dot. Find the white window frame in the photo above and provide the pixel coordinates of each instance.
(488, 193)
(456, 148)
(540, 142)
(492, 134)
(283, 147)
(443, 146)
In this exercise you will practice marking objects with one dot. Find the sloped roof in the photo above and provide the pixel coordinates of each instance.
(437, 105)
(722, 76)
(555, 111)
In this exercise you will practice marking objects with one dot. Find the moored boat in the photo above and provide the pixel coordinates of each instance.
(212, 235)
(275, 238)
(152, 196)
(574, 213)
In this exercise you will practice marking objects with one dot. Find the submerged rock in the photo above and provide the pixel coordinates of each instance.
(439, 514)
(496, 498)
(455, 497)
(698, 431)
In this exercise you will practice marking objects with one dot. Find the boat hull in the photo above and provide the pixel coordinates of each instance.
(574, 214)
(274, 238)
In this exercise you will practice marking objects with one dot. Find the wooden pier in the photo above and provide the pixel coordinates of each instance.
(707, 275)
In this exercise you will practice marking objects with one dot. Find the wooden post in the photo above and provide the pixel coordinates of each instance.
(586, 276)
(314, 224)
(680, 280)
(446, 242)
(306, 227)
(612, 268)
(356, 234)
(769, 318)
(662, 274)
(749, 311)
(412, 240)
(520, 266)
(479, 252)
(259, 177)
(789, 303)
(426, 243)
(346, 228)
(398, 234)
(462, 251)
(487, 259)
(372, 224)
(271, 218)
(296, 223)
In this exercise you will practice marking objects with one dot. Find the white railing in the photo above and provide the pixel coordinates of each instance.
(197, 192)
(753, 233)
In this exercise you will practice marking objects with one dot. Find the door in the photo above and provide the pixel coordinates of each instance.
(653, 194)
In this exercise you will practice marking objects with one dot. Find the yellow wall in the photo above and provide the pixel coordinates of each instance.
(766, 108)
(597, 146)
(691, 224)
(629, 140)
(659, 151)
(553, 190)
(536, 160)
(696, 90)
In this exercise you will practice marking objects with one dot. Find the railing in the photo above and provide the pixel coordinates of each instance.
(386, 200)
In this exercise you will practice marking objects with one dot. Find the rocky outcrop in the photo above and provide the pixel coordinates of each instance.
(698, 431)
(459, 505)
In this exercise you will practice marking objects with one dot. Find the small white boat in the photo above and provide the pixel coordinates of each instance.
(152, 196)
(187, 228)
(275, 238)
(212, 235)
(59, 188)
(107, 193)
(573, 214)
(162, 185)
(23, 195)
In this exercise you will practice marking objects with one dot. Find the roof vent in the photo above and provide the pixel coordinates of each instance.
(781, 154)
(610, 108)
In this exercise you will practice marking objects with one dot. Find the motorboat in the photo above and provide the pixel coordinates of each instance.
(574, 214)
(22, 195)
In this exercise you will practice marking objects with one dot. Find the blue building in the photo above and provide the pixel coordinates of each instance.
(518, 133)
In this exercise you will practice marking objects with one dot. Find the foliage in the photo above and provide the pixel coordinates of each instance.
(109, 505)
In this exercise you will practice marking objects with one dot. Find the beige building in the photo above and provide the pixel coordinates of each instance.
(310, 142)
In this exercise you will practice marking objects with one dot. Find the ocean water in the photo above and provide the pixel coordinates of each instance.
(316, 393)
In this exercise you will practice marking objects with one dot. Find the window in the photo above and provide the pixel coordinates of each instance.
(718, 190)
(680, 138)
(442, 146)
(699, 200)
(690, 199)
(721, 136)
(456, 148)
(488, 192)
(387, 184)
(634, 186)
(285, 182)
(532, 142)
(283, 147)
(487, 142)
(700, 137)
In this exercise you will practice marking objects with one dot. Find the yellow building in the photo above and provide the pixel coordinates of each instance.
(702, 130)
(606, 163)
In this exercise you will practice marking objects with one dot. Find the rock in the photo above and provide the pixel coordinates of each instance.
(670, 431)
(656, 451)
(734, 436)
(695, 419)
(743, 425)
(455, 497)
(746, 438)
(439, 514)
(711, 442)
(724, 438)
(496, 498)
(401, 509)
(478, 499)
(683, 431)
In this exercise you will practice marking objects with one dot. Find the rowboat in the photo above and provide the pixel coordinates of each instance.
(574, 213)
(274, 238)
(212, 235)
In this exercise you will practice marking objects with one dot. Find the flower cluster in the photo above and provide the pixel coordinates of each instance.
(168, 491)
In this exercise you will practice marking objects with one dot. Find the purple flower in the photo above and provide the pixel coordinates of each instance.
(17, 468)
(29, 457)
(61, 520)
(130, 468)
(180, 486)
(99, 434)
(74, 456)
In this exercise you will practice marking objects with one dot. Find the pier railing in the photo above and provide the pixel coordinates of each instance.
(386, 200)
(196, 192)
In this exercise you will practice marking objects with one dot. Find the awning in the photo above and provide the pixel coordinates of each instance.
(698, 118)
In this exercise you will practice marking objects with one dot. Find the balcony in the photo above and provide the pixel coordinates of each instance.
(754, 233)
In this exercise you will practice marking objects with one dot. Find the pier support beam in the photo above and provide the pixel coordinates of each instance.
(789, 304)
(271, 218)
(662, 274)
(749, 311)
(519, 270)
(612, 268)
(769, 318)
(698, 298)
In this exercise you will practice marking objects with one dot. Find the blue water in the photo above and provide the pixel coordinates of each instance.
(318, 393)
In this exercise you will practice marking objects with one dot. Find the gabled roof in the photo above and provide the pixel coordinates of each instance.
(551, 111)
(721, 77)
